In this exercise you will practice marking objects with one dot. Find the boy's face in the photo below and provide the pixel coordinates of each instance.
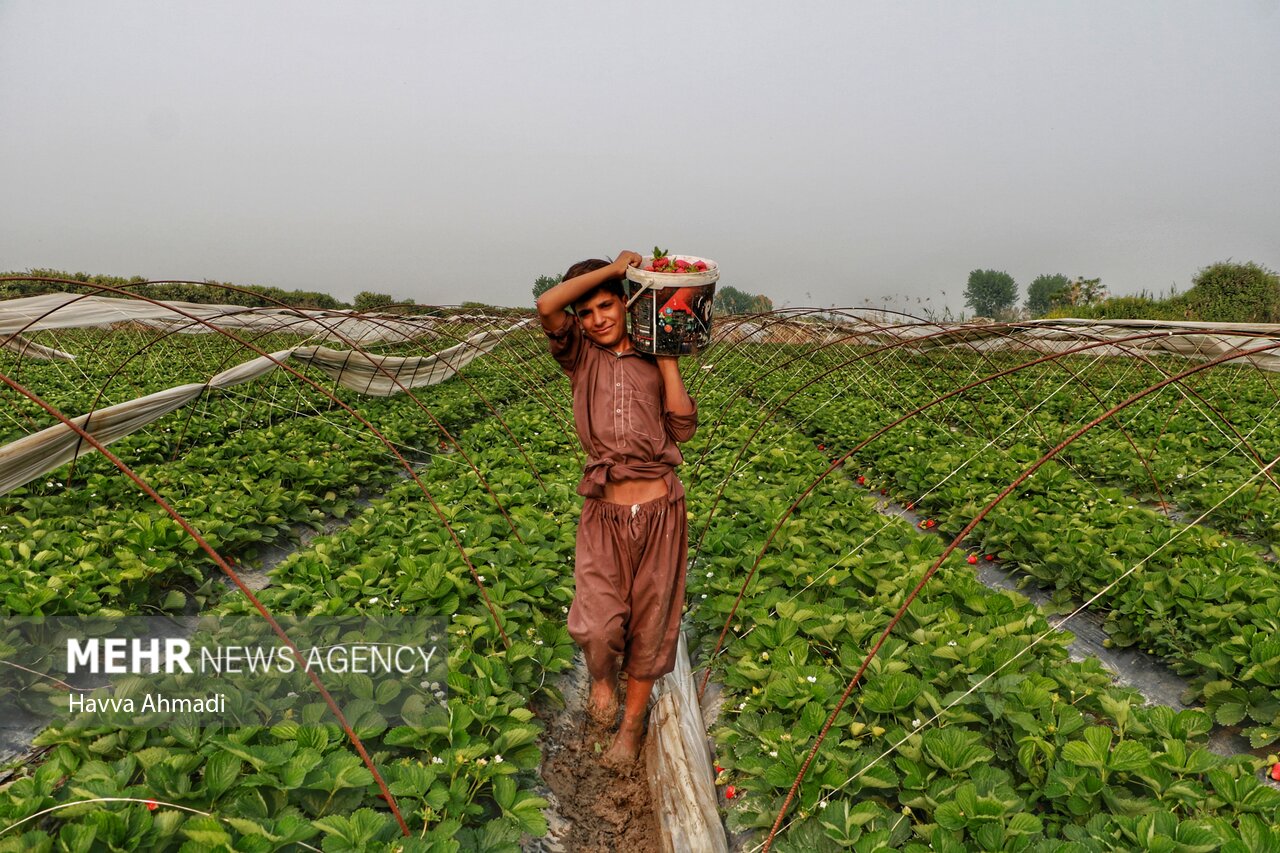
(604, 318)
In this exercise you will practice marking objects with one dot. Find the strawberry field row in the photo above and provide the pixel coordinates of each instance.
(1203, 602)
(462, 772)
(113, 367)
(971, 728)
(1193, 444)
(72, 547)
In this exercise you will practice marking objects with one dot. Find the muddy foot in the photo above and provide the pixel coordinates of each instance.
(602, 704)
(625, 749)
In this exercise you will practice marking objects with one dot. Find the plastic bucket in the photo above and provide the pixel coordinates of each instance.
(671, 312)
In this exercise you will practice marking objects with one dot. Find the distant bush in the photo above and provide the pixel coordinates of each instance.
(1235, 293)
(1224, 292)
(367, 300)
(730, 300)
(1142, 307)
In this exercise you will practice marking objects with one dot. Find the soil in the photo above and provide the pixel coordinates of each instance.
(592, 809)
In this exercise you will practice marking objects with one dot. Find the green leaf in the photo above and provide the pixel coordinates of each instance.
(954, 750)
(348, 772)
(1260, 736)
(1230, 713)
(1129, 756)
(220, 773)
(76, 838)
(528, 813)
(891, 693)
(207, 832)
(1024, 824)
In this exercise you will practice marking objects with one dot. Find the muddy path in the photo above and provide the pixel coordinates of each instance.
(592, 809)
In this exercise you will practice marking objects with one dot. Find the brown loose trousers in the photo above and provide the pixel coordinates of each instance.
(629, 575)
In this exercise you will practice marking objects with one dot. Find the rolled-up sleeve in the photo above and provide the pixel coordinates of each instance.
(566, 343)
(681, 427)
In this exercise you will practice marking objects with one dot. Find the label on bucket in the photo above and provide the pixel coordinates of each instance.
(672, 320)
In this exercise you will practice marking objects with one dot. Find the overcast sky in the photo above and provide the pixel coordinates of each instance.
(823, 153)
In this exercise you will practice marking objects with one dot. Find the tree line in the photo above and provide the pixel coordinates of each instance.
(1224, 292)
(210, 292)
(207, 293)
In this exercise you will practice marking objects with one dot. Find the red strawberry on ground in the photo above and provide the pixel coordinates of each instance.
(991, 557)
(1275, 771)
(730, 792)
(973, 559)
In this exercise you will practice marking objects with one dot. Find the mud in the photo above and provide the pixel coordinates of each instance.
(592, 809)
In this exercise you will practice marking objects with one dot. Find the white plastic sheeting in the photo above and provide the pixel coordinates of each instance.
(29, 349)
(34, 455)
(873, 328)
(37, 454)
(72, 311)
(1200, 341)
(377, 375)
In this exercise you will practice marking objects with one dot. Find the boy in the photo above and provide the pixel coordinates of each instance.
(629, 410)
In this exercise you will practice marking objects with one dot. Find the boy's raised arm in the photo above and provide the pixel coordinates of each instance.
(552, 303)
(673, 391)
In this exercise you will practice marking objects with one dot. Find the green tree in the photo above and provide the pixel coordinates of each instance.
(990, 293)
(543, 283)
(731, 300)
(1041, 291)
(1078, 293)
(367, 300)
(1227, 292)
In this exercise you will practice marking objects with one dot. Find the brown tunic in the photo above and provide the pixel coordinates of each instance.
(629, 575)
(620, 413)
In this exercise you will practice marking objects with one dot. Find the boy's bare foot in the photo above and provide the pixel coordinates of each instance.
(625, 749)
(602, 703)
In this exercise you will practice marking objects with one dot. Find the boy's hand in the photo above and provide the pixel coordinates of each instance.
(627, 259)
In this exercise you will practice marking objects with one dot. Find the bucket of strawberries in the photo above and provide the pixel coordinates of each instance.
(669, 301)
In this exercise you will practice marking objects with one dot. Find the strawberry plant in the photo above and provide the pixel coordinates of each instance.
(972, 727)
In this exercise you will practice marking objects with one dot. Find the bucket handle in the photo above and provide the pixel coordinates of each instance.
(644, 285)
